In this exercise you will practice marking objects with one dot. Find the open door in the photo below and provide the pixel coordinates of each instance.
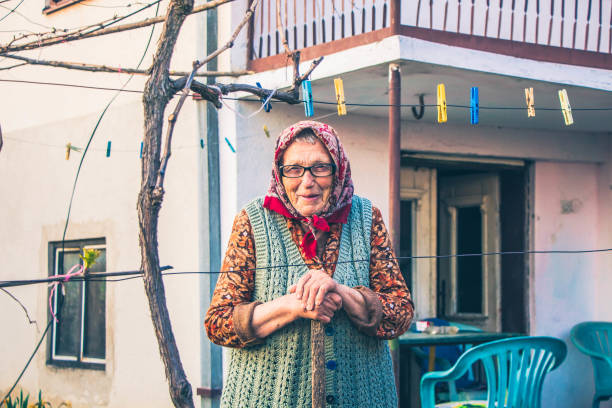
(469, 286)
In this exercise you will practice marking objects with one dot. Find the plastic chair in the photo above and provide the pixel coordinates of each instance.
(593, 339)
(515, 369)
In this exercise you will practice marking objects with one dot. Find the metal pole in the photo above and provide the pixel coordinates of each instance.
(394, 182)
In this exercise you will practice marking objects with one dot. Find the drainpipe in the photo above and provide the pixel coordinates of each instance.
(210, 226)
(394, 182)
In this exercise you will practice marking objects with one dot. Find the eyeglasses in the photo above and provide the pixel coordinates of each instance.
(317, 170)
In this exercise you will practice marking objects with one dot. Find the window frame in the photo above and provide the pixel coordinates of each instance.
(52, 6)
(73, 361)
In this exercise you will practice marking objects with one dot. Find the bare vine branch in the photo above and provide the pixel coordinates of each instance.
(11, 295)
(230, 43)
(80, 66)
(80, 34)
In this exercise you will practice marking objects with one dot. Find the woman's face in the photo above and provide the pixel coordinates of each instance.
(308, 194)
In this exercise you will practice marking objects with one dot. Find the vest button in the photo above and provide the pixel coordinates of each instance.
(330, 399)
(331, 365)
(329, 330)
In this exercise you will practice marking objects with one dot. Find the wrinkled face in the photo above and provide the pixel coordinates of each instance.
(308, 194)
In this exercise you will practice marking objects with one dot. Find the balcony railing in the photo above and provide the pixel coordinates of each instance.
(305, 23)
(574, 24)
(583, 25)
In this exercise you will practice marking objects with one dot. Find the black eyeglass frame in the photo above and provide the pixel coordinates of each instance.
(282, 173)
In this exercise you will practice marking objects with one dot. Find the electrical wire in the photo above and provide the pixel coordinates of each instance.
(12, 11)
(102, 276)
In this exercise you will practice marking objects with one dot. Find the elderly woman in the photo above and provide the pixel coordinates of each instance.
(310, 250)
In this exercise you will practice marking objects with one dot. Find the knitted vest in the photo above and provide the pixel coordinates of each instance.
(277, 373)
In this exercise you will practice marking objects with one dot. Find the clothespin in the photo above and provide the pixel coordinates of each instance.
(442, 117)
(201, 143)
(307, 97)
(230, 145)
(266, 131)
(340, 96)
(267, 105)
(108, 148)
(474, 106)
(566, 107)
(141, 150)
(530, 100)
(70, 147)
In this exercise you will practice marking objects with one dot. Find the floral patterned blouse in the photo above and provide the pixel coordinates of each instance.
(387, 298)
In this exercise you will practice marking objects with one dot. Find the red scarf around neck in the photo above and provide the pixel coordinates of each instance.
(309, 241)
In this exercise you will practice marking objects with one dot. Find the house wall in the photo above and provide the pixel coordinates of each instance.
(37, 122)
(569, 214)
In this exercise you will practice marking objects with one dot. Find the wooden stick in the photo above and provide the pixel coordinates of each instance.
(317, 349)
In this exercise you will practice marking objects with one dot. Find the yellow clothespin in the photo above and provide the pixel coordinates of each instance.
(441, 104)
(266, 131)
(530, 100)
(566, 107)
(340, 96)
(70, 147)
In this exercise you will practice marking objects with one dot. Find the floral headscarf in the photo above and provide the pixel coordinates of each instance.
(339, 204)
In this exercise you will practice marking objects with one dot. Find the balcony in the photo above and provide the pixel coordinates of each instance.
(575, 32)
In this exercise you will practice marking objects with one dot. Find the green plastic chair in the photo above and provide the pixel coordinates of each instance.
(515, 369)
(593, 339)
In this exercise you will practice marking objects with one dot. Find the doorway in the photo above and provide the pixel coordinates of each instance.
(463, 206)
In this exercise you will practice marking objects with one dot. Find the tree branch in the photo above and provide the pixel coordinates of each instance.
(213, 93)
(230, 43)
(80, 34)
(80, 66)
(12, 296)
(158, 92)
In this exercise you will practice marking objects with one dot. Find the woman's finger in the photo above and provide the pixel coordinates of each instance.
(292, 288)
(336, 298)
(313, 289)
(299, 290)
(323, 290)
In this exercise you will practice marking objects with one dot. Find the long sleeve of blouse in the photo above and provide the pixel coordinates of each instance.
(228, 317)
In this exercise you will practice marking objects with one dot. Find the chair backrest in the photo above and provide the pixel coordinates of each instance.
(594, 339)
(515, 368)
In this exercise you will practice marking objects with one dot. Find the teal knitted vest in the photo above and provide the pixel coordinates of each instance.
(277, 372)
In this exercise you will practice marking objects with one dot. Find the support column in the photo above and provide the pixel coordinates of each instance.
(394, 183)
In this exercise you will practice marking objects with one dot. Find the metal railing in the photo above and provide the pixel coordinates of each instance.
(305, 23)
(573, 24)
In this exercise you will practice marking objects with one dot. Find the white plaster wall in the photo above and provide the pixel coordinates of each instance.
(37, 121)
(564, 286)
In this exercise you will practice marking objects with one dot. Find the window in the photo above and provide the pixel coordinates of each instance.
(78, 339)
(52, 6)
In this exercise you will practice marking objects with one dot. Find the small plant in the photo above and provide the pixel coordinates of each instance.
(89, 257)
(41, 403)
(19, 402)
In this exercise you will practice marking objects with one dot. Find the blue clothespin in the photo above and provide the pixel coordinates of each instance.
(230, 145)
(474, 106)
(108, 149)
(141, 150)
(307, 98)
(268, 105)
(202, 143)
